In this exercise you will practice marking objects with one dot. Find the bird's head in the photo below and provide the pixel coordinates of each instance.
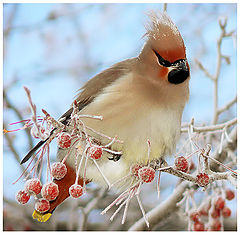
(164, 54)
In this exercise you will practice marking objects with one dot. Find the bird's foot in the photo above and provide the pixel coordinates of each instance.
(115, 157)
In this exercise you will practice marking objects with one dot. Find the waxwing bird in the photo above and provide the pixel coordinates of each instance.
(140, 99)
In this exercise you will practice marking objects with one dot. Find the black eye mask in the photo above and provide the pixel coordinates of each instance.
(180, 71)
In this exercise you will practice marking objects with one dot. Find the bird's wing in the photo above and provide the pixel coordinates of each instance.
(88, 93)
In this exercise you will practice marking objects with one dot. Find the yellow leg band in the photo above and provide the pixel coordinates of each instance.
(41, 217)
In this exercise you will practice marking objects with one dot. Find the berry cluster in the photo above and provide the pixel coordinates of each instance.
(33, 187)
(48, 191)
(212, 210)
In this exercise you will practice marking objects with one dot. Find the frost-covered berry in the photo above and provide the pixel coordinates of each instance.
(76, 191)
(229, 194)
(181, 164)
(226, 212)
(198, 226)
(220, 203)
(134, 169)
(95, 152)
(33, 186)
(42, 205)
(202, 179)
(215, 213)
(64, 140)
(195, 216)
(50, 191)
(58, 170)
(216, 225)
(22, 197)
(146, 174)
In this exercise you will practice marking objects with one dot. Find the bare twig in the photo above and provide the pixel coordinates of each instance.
(20, 117)
(227, 106)
(161, 211)
(212, 127)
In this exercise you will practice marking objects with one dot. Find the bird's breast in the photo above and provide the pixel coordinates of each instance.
(134, 118)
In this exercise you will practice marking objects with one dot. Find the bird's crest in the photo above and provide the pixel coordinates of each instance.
(164, 37)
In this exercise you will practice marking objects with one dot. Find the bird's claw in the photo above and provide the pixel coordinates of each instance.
(115, 157)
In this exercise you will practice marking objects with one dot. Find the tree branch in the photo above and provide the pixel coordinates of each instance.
(162, 210)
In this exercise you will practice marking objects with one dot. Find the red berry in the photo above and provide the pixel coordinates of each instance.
(216, 225)
(198, 226)
(219, 203)
(215, 213)
(146, 174)
(95, 152)
(33, 186)
(194, 216)
(229, 194)
(42, 205)
(76, 191)
(64, 140)
(59, 170)
(181, 164)
(22, 197)
(134, 169)
(202, 179)
(50, 191)
(226, 212)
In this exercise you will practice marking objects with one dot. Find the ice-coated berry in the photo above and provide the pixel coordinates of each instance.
(33, 186)
(181, 164)
(216, 225)
(64, 140)
(135, 168)
(202, 179)
(50, 191)
(22, 197)
(226, 212)
(76, 191)
(42, 205)
(220, 203)
(215, 213)
(95, 152)
(146, 174)
(195, 216)
(198, 226)
(229, 194)
(59, 170)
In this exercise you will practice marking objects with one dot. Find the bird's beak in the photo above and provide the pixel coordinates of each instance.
(179, 72)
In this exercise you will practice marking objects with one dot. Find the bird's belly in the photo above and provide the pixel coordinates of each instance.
(160, 130)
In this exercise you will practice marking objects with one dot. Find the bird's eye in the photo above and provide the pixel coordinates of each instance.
(162, 61)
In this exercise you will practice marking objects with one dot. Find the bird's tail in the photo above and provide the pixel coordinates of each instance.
(63, 187)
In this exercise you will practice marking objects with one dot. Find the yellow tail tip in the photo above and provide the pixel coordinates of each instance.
(41, 217)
